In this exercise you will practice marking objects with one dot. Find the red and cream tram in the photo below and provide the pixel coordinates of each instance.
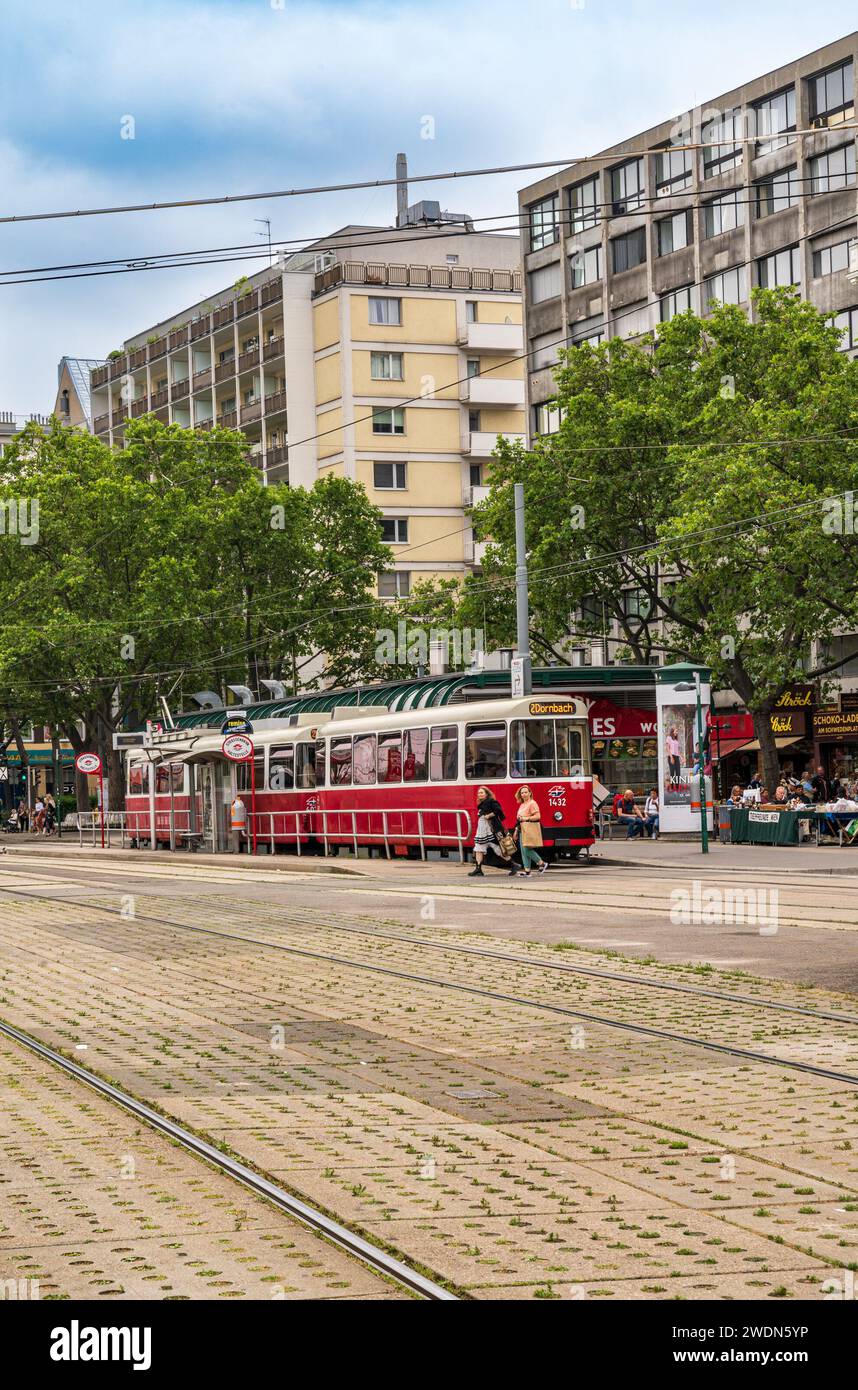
(402, 783)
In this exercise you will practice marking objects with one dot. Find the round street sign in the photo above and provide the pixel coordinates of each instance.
(237, 747)
(88, 763)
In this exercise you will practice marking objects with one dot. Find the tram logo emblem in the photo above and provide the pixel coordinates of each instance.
(557, 796)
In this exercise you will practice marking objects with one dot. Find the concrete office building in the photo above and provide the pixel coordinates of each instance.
(392, 356)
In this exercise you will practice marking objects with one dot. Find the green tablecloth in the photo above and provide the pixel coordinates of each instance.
(765, 827)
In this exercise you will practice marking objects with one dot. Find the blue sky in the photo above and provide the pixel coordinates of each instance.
(235, 96)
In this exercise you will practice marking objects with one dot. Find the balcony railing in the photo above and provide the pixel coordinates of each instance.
(418, 277)
(178, 337)
(137, 359)
(223, 315)
(118, 367)
(273, 348)
(204, 424)
(246, 360)
(181, 388)
(158, 398)
(200, 327)
(225, 369)
(139, 407)
(101, 424)
(279, 454)
(158, 348)
(247, 304)
(275, 403)
(98, 377)
(271, 291)
(251, 411)
(228, 420)
(203, 378)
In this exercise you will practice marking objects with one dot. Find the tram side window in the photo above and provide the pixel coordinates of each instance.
(545, 748)
(305, 765)
(485, 751)
(444, 753)
(164, 773)
(138, 779)
(242, 775)
(281, 768)
(415, 755)
(364, 760)
(320, 762)
(341, 762)
(390, 757)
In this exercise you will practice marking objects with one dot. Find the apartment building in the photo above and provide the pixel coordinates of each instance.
(73, 404)
(705, 206)
(391, 356)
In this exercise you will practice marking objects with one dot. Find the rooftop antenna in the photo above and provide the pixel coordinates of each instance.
(401, 190)
(266, 222)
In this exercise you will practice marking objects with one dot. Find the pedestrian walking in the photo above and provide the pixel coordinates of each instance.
(529, 832)
(489, 830)
(23, 816)
(50, 814)
(39, 817)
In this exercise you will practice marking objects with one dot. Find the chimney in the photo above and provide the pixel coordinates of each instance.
(401, 190)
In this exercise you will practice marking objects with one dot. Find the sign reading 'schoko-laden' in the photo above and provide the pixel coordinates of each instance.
(835, 723)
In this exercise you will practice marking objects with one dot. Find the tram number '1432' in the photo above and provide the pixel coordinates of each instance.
(557, 796)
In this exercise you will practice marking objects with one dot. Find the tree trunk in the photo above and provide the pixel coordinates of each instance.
(768, 748)
(80, 744)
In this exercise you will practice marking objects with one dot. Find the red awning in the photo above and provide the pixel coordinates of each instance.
(725, 747)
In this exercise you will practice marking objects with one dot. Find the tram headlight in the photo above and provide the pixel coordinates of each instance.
(558, 815)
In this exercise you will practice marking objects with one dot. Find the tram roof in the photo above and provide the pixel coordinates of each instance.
(426, 692)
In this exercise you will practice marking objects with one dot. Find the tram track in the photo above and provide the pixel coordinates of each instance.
(580, 1015)
(378, 1259)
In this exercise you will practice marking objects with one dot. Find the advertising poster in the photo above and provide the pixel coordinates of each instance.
(679, 748)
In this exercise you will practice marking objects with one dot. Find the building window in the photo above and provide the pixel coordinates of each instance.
(385, 311)
(474, 421)
(629, 250)
(590, 331)
(386, 366)
(674, 170)
(627, 186)
(847, 322)
(832, 95)
(730, 287)
(388, 421)
(722, 150)
(544, 350)
(636, 603)
(475, 474)
(675, 302)
(394, 584)
(544, 223)
(390, 475)
(833, 170)
(633, 321)
(547, 418)
(777, 192)
(584, 210)
(830, 259)
(585, 267)
(781, 268)
(394, 530)
(473, 366)
(773, 119)
(723, 214)
(674, 232)
(471, 311)
(544, 284)
(452, 260)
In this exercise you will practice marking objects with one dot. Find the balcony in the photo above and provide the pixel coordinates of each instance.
(228, 420)
(137, 359)
(247, 304)
(246, 360)
(504, 338)
(424, 277)
(181, 388)
(158, 398)
(139, 407)
(489, 390)
(118, 367)
(251, 411)
(101, 424)
(204, 424)
(273, 348)
(275, 403)
(271, 291)
(98, 377)
(203, 378)
(226, 369)
(222, 316)
(178, 337)
(200, 328)
(483, 443)
(157, 348)
(276, 456)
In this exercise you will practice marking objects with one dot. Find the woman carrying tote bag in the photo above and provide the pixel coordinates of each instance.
(529, 826)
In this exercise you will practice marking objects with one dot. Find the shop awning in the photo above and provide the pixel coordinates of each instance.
(726, 746)
(754, 745)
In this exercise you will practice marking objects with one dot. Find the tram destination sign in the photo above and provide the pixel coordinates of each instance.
(236, 724)
(549, 706)
(237, 747)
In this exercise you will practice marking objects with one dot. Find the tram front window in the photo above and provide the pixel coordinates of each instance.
(485, 751)
(545, 748)
(305, 771)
